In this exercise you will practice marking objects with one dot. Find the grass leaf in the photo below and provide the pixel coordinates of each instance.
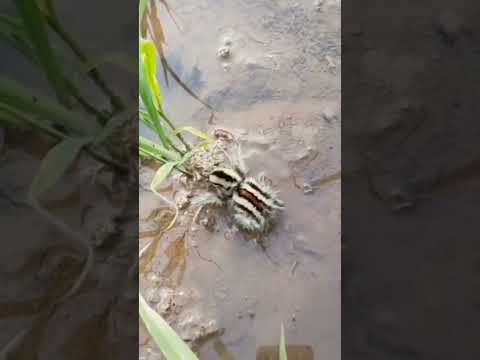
(171, 345)
(13, 32)
(35, 26)
(282, 348)
(149, 57)
(55, 164)
(156, 150)
(18, 97)
(195, 132)
(149, 103)
(162, 173)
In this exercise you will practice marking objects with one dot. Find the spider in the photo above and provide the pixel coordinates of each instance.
(251, 201)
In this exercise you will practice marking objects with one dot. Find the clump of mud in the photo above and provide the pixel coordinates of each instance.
(204, 160)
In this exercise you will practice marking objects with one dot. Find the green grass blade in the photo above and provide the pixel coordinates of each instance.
(195, 132)
(13, 32)
(17, 117)
(282, 348)
(9, 119)
(162, 173)
(157, 150)
(149, 56)
(149, 102)
(55, 164)
(36, 28)
(171, 345)
(18, 97)
(146, 119)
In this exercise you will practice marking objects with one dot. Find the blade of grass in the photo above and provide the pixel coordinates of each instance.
(171, 345)
(9, 349)
(14, 117)
(80, 243)
(37, 32)
(15, 95)
(13, 32)
(195, 132)
(157, 150)
(282, 348)
(162, 173)
(149, 102)
(149, 58)
(55, 164)
(146, 119)
(172, 126)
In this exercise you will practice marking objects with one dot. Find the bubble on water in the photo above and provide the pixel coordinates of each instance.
(223, 52)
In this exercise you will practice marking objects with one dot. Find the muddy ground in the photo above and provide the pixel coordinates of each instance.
(272, 73)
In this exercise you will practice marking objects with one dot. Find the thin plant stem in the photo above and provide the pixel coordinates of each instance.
(73, 235)
(84, 103)
(179, 136)
(53, 22)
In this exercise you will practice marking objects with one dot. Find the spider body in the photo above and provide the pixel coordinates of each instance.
(251, 201)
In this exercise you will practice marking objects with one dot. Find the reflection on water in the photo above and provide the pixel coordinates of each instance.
(271, 70)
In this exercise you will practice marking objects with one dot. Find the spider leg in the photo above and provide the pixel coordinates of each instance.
(240, 163)
(246, 222)
(264, 182)
(208, 198)
(205, 200)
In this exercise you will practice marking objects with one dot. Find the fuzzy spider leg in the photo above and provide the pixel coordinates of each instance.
(240, 164)
(264, 182)
(204, 200)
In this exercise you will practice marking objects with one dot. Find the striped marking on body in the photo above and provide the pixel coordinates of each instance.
(265, 196)
(225, 178)
(255, 197)
(248, 207)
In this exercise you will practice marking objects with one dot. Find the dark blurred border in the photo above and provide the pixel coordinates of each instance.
(69, 264)
(411, 180)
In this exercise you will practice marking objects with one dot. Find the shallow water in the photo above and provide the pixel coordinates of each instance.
(278, 91)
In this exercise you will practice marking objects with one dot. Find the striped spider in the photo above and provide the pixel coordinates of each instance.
(251, 201)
